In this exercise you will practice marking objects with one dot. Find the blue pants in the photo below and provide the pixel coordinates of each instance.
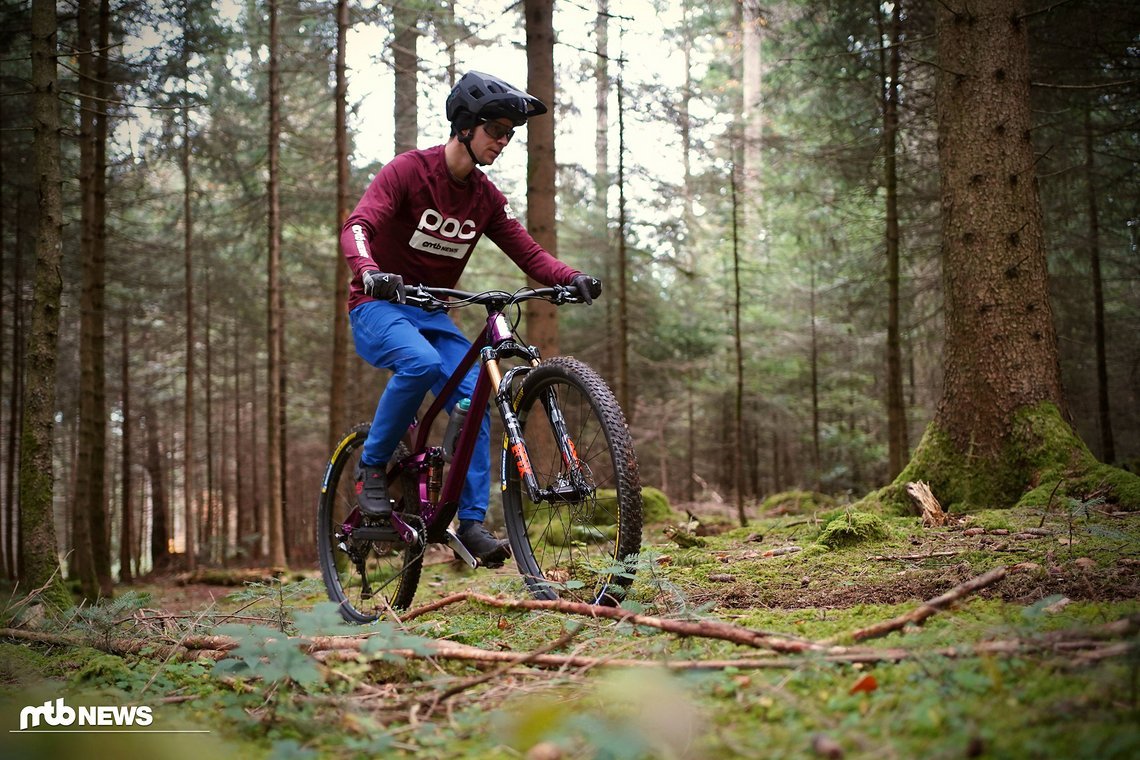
(422, 349)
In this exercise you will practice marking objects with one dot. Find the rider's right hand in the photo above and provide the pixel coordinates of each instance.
(383, 286)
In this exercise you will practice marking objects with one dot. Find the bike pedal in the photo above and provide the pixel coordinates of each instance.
(461, 550)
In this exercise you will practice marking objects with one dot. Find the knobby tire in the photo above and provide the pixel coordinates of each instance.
(392, 568)
(581, 548)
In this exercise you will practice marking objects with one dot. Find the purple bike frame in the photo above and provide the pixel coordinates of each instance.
(497, 331)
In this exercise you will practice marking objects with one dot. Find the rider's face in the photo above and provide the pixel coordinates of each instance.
(486, 147)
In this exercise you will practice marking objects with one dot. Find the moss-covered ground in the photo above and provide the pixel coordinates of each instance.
(1020, 669)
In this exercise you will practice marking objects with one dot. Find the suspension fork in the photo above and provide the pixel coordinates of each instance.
(515, 448)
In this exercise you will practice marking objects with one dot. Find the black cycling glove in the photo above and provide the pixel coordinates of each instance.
(383, 286)
(588, 287)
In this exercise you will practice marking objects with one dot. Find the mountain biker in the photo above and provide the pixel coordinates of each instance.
(417, 224)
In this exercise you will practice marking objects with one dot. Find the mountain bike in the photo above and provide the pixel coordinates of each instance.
(569, 477)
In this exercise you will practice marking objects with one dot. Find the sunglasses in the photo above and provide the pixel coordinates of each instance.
(496, 131)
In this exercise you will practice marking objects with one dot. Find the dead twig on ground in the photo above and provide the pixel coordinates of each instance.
(709, 629)
(434, 702)
(932, 606)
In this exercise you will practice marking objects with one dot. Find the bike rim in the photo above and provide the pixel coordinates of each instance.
(367, 578)
(574, 544)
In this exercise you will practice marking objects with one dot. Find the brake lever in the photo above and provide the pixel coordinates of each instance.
(418, 297)
(562, 295)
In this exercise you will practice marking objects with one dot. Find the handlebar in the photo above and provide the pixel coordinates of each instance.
(434, 299)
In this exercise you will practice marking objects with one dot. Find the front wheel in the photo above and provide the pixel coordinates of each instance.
(576, 543)
(364, 577)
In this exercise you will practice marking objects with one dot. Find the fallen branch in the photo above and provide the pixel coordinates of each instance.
(1084, 645)
(1083, 649)
(931, 607)
(708, 629)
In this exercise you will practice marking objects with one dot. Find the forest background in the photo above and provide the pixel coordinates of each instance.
(758, 188)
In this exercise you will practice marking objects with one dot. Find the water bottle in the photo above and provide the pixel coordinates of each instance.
(454, 427)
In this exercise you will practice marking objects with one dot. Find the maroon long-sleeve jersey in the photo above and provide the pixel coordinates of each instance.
(419, 222)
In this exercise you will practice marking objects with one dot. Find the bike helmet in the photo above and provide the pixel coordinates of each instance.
(481, 97)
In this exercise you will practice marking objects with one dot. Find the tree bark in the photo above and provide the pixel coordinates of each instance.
(100, 515)
(127, 484)
(897, 444)
(276, 445)
(209, 517)
(405, 60)
(738, 355)
(1104, 415)
(999, 436)
(15, 407)
(90, 445)
(754, 23)
(541, 318)
(159, 504)
(602, 173)
(624, 386)
(188, 451)
(1001, 347)
(37, 524)
(338, 381)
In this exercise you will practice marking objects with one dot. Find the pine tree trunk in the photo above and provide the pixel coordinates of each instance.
(15, 407)
(188, 451)
(816, 460)
(1001, 348)
(541, 318)
(752, 69)
(405, 61)
(274, 401)
(624, 389)
(738, 353)
(127, 484)
(1104, 415)
(999, 436)
(159, 503)
(89, 453)
(100, 514)
(898, 446)
(209, 507)
(37, 524)
(338, 380)
(602, 170)
(5, 525)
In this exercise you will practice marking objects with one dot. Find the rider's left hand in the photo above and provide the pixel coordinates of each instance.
(588, 287)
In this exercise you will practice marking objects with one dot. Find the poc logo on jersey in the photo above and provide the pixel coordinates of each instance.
(448, 226)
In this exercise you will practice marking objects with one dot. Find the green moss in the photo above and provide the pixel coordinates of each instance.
(1042, 459)
(103, 669)
(797, 502)
(853, 528)
(655, 507)
(20, 663)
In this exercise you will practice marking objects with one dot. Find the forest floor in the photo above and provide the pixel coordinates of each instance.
(1002, 634)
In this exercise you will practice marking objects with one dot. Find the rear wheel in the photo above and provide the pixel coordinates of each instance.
(575, 544)
(365, 577)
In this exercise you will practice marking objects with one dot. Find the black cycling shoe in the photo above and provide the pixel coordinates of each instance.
(372, 490)
(490, 551)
